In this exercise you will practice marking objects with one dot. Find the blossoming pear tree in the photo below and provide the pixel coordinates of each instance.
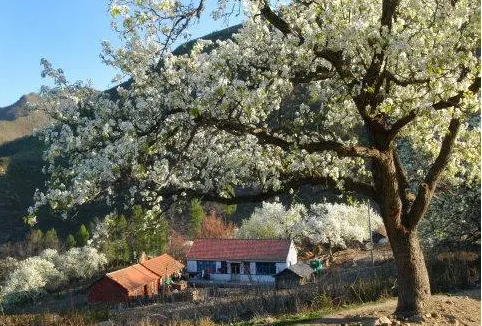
(273, 221)
(323, 223)
(336, 224)
(375, 97)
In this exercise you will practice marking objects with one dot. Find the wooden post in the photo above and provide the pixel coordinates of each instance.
(370, 232)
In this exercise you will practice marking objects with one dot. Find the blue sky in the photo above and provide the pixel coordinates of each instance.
(68, 33)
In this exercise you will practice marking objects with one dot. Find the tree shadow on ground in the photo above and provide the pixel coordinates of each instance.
(342, 320)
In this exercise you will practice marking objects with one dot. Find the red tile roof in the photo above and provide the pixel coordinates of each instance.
(239, 249)
(133, 277)
(164, 265)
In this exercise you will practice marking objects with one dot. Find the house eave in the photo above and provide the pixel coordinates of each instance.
(229, 260)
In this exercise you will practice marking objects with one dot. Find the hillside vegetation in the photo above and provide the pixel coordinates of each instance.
(19, 120)
(21, 172)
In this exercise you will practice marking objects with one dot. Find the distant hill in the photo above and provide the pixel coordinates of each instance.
(19, 120)
(19, 108)
(20, 164)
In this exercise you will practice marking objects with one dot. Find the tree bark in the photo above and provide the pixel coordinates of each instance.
(413, 281)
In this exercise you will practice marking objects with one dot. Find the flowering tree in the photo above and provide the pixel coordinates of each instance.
(30, 279)
(337, 224)
(273, 221)
(326, 223)
(48, 271)
(374, 97)
(81, 263)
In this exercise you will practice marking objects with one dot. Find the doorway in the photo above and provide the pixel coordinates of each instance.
(235, 268)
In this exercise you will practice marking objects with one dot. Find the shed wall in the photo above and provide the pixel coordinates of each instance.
(106, 290)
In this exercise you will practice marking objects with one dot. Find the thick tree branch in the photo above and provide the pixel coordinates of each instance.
(278, 22)
(400, 123)
(451, 102)
(404, 192)
(349, 185)
(389, 8)
(427, 188)
(455, 100)
(265, 136)
(336, 60)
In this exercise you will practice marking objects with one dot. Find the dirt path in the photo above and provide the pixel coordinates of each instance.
(443, 310)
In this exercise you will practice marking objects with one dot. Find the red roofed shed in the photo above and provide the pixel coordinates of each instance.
(139, 280)
(164, 265)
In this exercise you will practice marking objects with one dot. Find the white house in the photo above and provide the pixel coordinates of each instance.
(242, 260)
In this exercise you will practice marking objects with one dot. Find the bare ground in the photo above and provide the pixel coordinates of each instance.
(461, 309)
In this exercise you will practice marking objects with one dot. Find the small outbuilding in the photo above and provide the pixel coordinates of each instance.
(141, 280)
(294, 275)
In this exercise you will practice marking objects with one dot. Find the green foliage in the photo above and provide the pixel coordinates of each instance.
(148, 232)
(123, 238)
(117, 249)
(82, 236)
(229, 209)
(70, 242)
(197, 216)
(51, 239)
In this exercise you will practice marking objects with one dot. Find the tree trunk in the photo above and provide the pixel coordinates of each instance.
(413, 281)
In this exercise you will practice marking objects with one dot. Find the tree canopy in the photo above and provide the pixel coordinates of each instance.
(207, 121)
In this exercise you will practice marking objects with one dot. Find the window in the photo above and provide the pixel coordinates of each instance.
(263, 268)
(207, 266)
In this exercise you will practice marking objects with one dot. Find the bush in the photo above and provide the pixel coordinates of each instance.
(81, 263)
(31, 278)
(49, 271)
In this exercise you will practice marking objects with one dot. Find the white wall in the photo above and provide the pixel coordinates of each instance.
(280, 267)
(243, 278)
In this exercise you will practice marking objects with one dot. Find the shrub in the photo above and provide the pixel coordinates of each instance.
(213, 226)
(32, 277)
(81, 263)
(49, 271)
(454, 270)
